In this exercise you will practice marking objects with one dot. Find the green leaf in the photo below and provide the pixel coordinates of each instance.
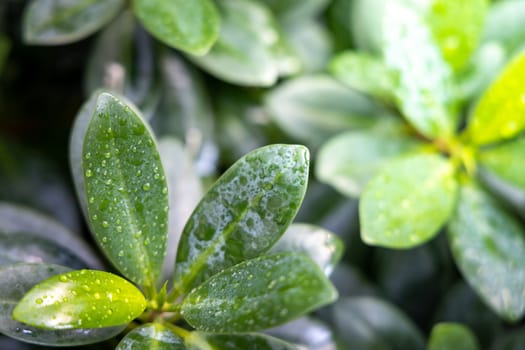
(455, 336)
(126, 190)
(16, 281)
(457, 39)
(513, 340)
(151, 336)
(322, 246)
(5, 47)
(425, 90)
(349, 160)
(243, 214)
(488, 245)
(504, 160)
(249, 341)
(52, 22)
(257, 294)
(307, 332)
(500, 113)
(296, 10)
(366, 323)
(365, 73)
(313, 108)
(15, 219)
(243, 52)
(504, 24)
(80, 299)
(191, 26)
(408, 201)
(23, 247)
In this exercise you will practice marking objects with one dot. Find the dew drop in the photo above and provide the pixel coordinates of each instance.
(88, 155)
(121, 253)
(89, 173)
(96, 295)
(107, 155)
(146, 186)
(119, 229)
(105, 224)
(39, 301)
(164, 190)
(63, 278)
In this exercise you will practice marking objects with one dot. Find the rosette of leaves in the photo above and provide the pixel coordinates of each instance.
(427, 170)
(226, 284)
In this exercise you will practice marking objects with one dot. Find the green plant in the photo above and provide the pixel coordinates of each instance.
(230, 278)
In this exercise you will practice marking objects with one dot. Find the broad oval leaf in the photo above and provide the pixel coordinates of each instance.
(367, 323)
(17, 280)
(29, 248)
(151, 336)
(446, 336)
(191, 26)
(500, 113)
(321, 106)
(322, 246)
(408, 201)
(243, 52)
(257, 294)
(51, 22)
(126, 190)
(505, 161)
(243, 214)
(488, 245)
(15, 219)
(349, 160)
(80, 299)
(248, 341)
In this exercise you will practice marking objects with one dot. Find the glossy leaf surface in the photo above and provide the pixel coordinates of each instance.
(191, 26)
(256, 294)
(321, 106)
(367, 323)
(243, 52)
(500, 113)
(456, 336)
(408, 201)
(52, 22)
(151, 336)
(80, 299)
(322, 246)
(488, 245)
(249, 341)
(349, 160)
(243, 213)
(126, 190)
(504, 160)
(16, 281)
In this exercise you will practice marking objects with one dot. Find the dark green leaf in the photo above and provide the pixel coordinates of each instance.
(488, 245)
(256, 294)
(313, 108)
(126, 190)
(151, 336)
(80, 299)
(500, 113)
(51, 22)
(321, 245)
(16, 281)
(408, 201)
(514, 340)
(348, 161)
(296, 10)
(366, 323)
(446, 336)
(249, 341)
(306, 332)
(243, 214)
(365, 73)
(191, 26)
(505, 161)
(243, 52)
(5, 47)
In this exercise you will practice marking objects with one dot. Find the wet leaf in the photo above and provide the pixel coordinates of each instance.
(151, 336)
(408, 201)
(80, 299)
(243, 213)
(126, 190)
(322, 246)
(455, 336)
(256, 294)
(249, 341)
(52, 22)
(488, 245)
(191, 26)
(500, 113)
(504, 160)
(17, 280)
